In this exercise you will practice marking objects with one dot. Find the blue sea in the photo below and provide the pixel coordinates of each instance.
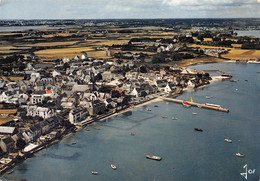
(187, 155)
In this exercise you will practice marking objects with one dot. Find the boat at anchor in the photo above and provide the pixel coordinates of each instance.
(228, 140)
(198, 129)
(240, 155)
(186, 104)
(113, 166)
(154, 157)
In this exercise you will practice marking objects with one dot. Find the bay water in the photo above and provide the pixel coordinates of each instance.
(254, 33)
(186, 154)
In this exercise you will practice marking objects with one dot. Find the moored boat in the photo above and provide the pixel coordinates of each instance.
(228, 140)
(198, 129)
(154, 157)
(174, 118)
(186, 104)
(194, 113)
(148, 109)
(132, 134)
(164, 116)
(94, 173)
(113, 166)
(240, 155)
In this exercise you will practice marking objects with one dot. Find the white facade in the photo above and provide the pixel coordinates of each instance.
(167, 89)
(37, 98)
(4, 98)
(134, 93)
(43, 112)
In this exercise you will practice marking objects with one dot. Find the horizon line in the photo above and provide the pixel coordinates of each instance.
(118, 18)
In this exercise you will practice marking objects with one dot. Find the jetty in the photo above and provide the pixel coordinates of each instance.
(206, 105)
(220, 72)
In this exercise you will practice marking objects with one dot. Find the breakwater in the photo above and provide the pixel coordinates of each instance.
(206, 105)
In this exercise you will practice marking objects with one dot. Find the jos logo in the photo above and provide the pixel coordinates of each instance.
(250, 172)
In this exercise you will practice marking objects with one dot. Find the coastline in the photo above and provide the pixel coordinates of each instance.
(218, 121)
(68, 132)
(186, 65)
(133, 107)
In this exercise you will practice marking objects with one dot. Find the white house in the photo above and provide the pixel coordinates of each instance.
(190, 84)
(43, 112)
(134, 93)
(83, 56)
(34, 77)
(55, 73)
(27, 136)
(77, 115)
(167, 89)
(66, 59)
(37, 98)
(4, 97)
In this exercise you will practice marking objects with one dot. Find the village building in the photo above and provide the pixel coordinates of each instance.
(78, 115)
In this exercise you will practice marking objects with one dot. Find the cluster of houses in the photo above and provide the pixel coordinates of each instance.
(215, 52)
(73, 90)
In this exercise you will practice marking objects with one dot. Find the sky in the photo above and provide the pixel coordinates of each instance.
(116, 9)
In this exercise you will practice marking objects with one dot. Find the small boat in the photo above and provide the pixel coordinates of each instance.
(207, 97)
(194, 113)
(154, 157)
(94, 173)
(240, 155)
(174, 118)
(148, 109)
(113, 166)
(155, 105)
(164, 116)
(132, 134)
(73, 143)
(228, 140)
(198, 129)
(9, 172)
(186, 104)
